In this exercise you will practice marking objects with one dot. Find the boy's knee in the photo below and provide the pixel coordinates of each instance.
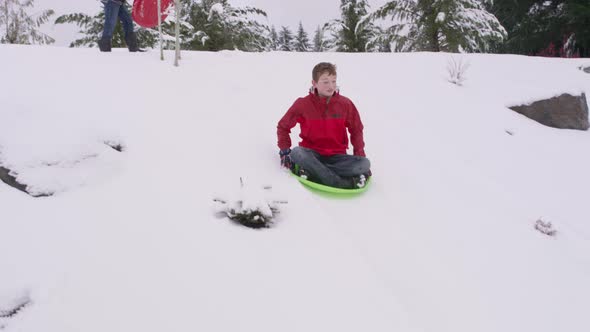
(365, 165)
(299, 154)
(296, 154)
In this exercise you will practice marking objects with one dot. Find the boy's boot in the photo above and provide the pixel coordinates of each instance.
(104, 44)
(131, 41)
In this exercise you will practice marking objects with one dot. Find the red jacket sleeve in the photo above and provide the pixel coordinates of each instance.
(287, 122)
(355, 128)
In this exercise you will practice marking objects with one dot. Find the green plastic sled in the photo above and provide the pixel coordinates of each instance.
(331, 191)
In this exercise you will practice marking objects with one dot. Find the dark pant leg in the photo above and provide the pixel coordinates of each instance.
(346, 165)
(311, 162)
(111, 13)
(126, 21)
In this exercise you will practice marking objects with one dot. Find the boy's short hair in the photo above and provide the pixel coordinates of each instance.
(321, 68)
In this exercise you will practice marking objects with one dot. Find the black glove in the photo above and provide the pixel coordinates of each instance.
(286, 158)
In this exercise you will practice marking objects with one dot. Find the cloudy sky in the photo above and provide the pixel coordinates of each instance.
(280, 12)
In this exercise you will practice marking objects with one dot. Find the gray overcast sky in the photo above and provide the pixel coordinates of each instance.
(280, 12)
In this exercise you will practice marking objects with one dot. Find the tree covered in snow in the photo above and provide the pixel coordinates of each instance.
(380, 41)
(215, 25)
(545, 27)
(285, 39)
(352, 32)
(274, 39)
(19, 26)
(320, 42)
(440, 25)
(91, 28)
(301, 41)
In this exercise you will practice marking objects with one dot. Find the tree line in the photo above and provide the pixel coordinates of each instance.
(559, 28)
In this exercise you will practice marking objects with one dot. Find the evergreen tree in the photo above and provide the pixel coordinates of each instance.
(17, 26)
(352, 32)
(215, 25)
(322, 42)
(319, 40)
(555, 28)
(285, 39)
(274, 39)
(379, 42)
(577, 18)
(91, 28)
(301, 42)
(440, 25)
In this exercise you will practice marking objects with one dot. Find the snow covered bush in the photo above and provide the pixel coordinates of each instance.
(250, 206)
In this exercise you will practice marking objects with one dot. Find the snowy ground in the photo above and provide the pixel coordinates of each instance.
(444, 240)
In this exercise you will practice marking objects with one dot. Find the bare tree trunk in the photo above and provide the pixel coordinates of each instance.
(177, 33)
(160, 28)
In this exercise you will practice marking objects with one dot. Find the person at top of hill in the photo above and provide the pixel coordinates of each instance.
(324, 116)
(113, 10)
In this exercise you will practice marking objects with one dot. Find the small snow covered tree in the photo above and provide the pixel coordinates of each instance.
(91, 28)
(301, 42)
(285, 39)
(440, 25)
(352, 31)
(18, 26)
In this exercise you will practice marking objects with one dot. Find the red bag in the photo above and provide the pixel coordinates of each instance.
(145, 12)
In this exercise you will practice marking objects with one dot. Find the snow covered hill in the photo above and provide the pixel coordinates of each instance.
(444, 240)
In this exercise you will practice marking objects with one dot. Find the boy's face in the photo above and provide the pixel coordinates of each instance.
(326, 85)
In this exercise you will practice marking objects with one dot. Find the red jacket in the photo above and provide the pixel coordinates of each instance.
(323, 125)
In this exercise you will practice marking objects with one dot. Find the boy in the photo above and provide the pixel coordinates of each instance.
(324, 116)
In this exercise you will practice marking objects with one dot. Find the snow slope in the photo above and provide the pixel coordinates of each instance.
(443, 241)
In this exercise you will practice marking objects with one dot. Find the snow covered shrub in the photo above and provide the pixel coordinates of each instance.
(456, 70)
(545, 227)
(253, 217)
(250, 207)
